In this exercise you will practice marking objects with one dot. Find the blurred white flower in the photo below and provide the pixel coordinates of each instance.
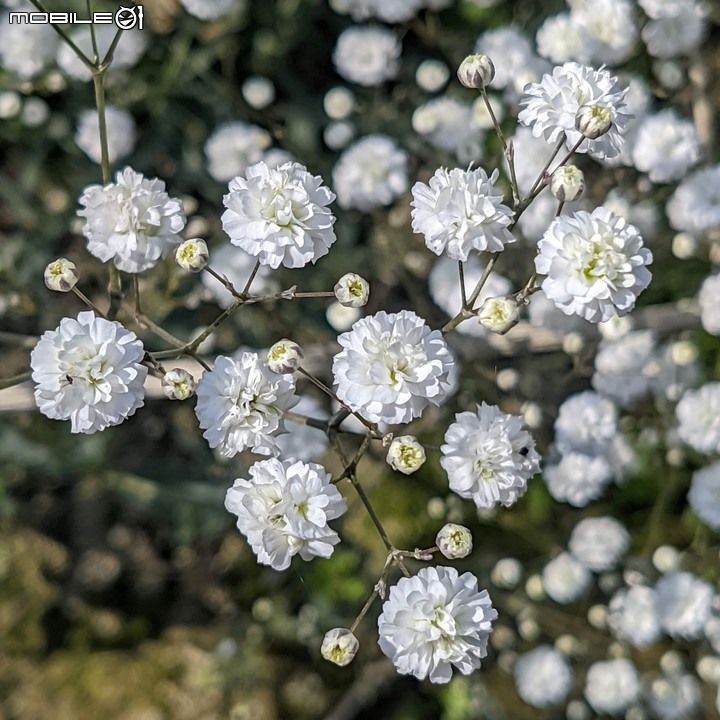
(704, 495)
(367, 55)
(392, 366)
(26, 49)
(370, 173)
(561, 39)
(241, 403)
(695, 205)
(301, 441)
(342, 317)
(599, 543)
(543, 677)
(684, 604)
(489, 457)
(435, 620)
(543, 313)
(339, 102)
(676, 27)
(565, 579)
(634, 617)
(233, 147)
(432, 75)
(586, 423)
(674, 696)
(390, 11)
(594, 264)
(550, 107)
(534, 222)
(698, 416)
(675, 369)
(612, 686)
(284, 510)
(531, 156)
(578, 478)
(132, 222)
(280, 216)
(461, 211)
(338, 134)
(510, 52)
(644, 215)
(88, 370)
(121, 133)
(258, 92)
(210, 10)
(709, 299)
(611, 28)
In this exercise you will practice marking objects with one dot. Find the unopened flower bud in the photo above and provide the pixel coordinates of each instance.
(476, 71)
(192, 255)
(499, 314)
(352, 290)
(61, 275)
(593, 121)
(454, 541)
(339, 646)
(178, 384)
(406, 454)
(568, 183)
(284, 357)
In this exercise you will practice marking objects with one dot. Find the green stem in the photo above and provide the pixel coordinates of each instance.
(66, 39)
(15, 380)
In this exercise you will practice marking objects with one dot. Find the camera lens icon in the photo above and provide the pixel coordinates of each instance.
(127, 18)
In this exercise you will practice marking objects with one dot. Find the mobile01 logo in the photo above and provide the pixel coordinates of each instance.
(126, 18)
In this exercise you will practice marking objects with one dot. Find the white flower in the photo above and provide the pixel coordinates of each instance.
(367, 55)
(695, 206)
(132, 222)
(561, 39)
(390, 11)
(284, 357)
(280, 216)
(704, 495)
(88, 371)
(120, 134)
(26, 49)
(674, 696)
(499, 314)
(454, 541)
(709, 299)
(432, 75)
(610, 26)
(543, 677)
(594, 264)
(531, 155)
(370, 173)
(342, 317)
(210, 10)
(550, 107)
(599, 543)
(567, 183)
(258, 92)
(338, 134)
(339, 646)
(612, 686)
(192, 255)
(565, 579)
(542, 313)
(510, 52)
(61, 275)
(302, 441)
(405, 454)
(241, 404)
(435, 620)
(534, 222)
(675, 370)
(665, 146)
(351, 290)
(634, 616)
(643, 215)
(698, 416)
(391, 367)
(461, 211)
(489, 457)
(127, 53)
(676, 27)
(578, 478)
(476, 71)
(684, 604)
(178, 384)
(284, 510)
(586, 423)
(233, 147)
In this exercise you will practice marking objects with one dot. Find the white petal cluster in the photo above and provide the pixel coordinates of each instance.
(284, 510)
(302, 441)
(280, 215)
(684, 604)
(128, 50)
(367, 55)
(644, 215)
(543, 677)
(461, 211)
(599, 543)
(586, 423)
(674, 696)
(704, 495)
(612, 686)
(695, 205)
(566, 579)
(241, 404)
(132, 222)
(88, 370)
(609, 26)
(489, 457)
(26, 49)
(594, 264)
(511, 54)
(390, 11)
(698, 416)
(435, 620)
(550, 107)
(634, 616)
(561, 39)
(676, 27)
(339, 646)
(204, 10)
(709, 299)
(392, 366)
(371, 173)
(665, 146)
(578, 478)
(233, 147)
(406, 454)
(120, 129)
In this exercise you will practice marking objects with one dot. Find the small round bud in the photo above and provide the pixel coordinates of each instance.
(192, 255)
(455, 541)
(61, 275)
(178, 384)
(567, 183)
(351, 290)
(284, 357)
(406, 454)
(593, 121)
(476, 71)
(499, 314)
(339, 646)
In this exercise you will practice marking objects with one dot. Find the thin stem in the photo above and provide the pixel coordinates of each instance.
(136, 294)
(540, 177)
(89, 303)
(507, 149)
(467, 312)
(371, 511)
(246, 289)
(15, 380)
(366, 607)
(221, 278)
(461, 273)
(572, 151)
(111, 50)
(92, 32)
(325, 293)
(167, 337)
(67, 40)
